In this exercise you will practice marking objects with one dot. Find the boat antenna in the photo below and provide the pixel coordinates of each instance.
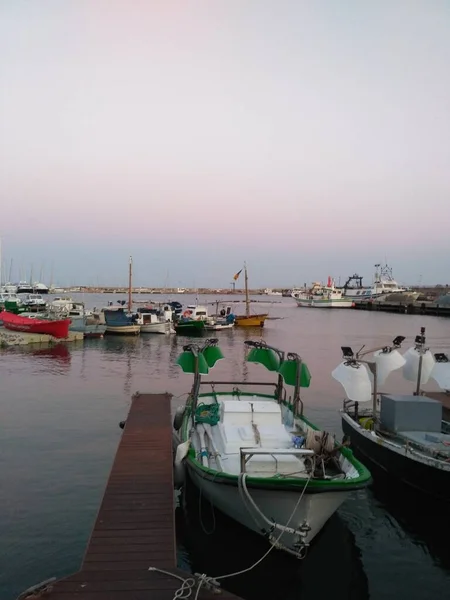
(247, 299)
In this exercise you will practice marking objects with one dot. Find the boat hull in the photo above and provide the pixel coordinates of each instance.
(58, 329)
(395, 463)
(303, 301)
(219, 326)
(123, 329)
(314, 508)
(162, 328)
(190, 327)
(332, 303)
(251, 320)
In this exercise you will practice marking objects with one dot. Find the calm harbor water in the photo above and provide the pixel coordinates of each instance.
(60, 408)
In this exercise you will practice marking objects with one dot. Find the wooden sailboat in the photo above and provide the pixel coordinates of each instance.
(117, 320)
(249, 320)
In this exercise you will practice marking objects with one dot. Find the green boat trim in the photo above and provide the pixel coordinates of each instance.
(189, 325)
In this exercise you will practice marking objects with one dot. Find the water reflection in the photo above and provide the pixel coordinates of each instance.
(53, 359)
(423, 520)
(211, 543)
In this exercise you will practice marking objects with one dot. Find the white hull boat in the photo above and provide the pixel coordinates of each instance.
(257, 458)
(283, 507)
(161, 327)
(218, 326)
(382, 287)
(323, 297)
(123, 329)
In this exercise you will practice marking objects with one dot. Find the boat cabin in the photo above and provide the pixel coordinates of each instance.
(196, 313)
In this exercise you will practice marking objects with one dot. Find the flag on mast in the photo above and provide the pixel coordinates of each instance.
(236, 277)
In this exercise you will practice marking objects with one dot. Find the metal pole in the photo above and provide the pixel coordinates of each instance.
(375, 393)
(419, 370)
(297, 399)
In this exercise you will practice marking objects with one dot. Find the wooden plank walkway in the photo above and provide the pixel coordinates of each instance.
(135, 526)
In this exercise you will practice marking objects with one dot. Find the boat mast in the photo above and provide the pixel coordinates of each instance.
(129, 284)
(247, 300)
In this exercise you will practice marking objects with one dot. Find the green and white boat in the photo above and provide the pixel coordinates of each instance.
(323, 296)
(255, 456)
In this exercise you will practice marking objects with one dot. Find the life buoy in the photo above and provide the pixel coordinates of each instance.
(187, 313)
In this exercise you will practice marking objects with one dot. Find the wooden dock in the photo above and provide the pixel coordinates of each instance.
(135, 526)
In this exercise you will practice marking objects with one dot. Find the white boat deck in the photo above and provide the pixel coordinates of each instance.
(254, 424)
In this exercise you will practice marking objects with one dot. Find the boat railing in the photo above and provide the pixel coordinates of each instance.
(213, 383)
(247, 453)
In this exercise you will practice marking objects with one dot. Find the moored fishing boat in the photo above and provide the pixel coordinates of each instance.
(57, 328)
(118, 322)
(323, 296)
(223, 319)
(402, 436)
(255, 456)
(331, 297)
(192, 321)
(152, 321)
(305, 297)
(383, 285)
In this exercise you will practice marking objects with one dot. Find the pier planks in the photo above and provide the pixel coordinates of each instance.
(135, 526)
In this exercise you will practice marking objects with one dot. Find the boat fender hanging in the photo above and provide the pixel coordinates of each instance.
(178, 417)
(179, 470)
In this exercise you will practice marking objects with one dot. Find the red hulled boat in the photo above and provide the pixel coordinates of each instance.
(58, 329)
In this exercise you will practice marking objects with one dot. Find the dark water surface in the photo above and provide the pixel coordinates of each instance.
(59, 414)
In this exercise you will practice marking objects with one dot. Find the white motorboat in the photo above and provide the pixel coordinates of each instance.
(151, 322)
(383, 285)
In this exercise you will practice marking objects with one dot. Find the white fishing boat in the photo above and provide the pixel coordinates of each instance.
(323, 296)
(223, 319)
(152, 322)
(331, 297)
(255, 456)
(383, 285)
(33, 300)
(305, 297)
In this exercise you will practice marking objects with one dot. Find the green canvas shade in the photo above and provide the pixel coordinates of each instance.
(264, 356)
(186, 361)
(211, 355)
(288, 370)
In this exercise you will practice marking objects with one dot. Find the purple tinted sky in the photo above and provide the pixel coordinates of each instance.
(308, 138)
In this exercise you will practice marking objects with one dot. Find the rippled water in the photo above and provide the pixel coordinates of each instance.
(60, 408)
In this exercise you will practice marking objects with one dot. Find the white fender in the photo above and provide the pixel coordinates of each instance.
(179, 470)
(178, 418)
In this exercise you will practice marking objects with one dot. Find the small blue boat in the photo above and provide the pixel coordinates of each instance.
(119, 322)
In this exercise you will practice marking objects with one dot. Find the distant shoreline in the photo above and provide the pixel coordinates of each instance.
(432, 290)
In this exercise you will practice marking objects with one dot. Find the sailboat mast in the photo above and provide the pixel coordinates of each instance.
(247, 299)
(129, 284)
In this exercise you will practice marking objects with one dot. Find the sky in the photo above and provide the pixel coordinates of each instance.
(305, 138)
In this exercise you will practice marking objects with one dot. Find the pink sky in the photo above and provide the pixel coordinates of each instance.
(307, 139)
